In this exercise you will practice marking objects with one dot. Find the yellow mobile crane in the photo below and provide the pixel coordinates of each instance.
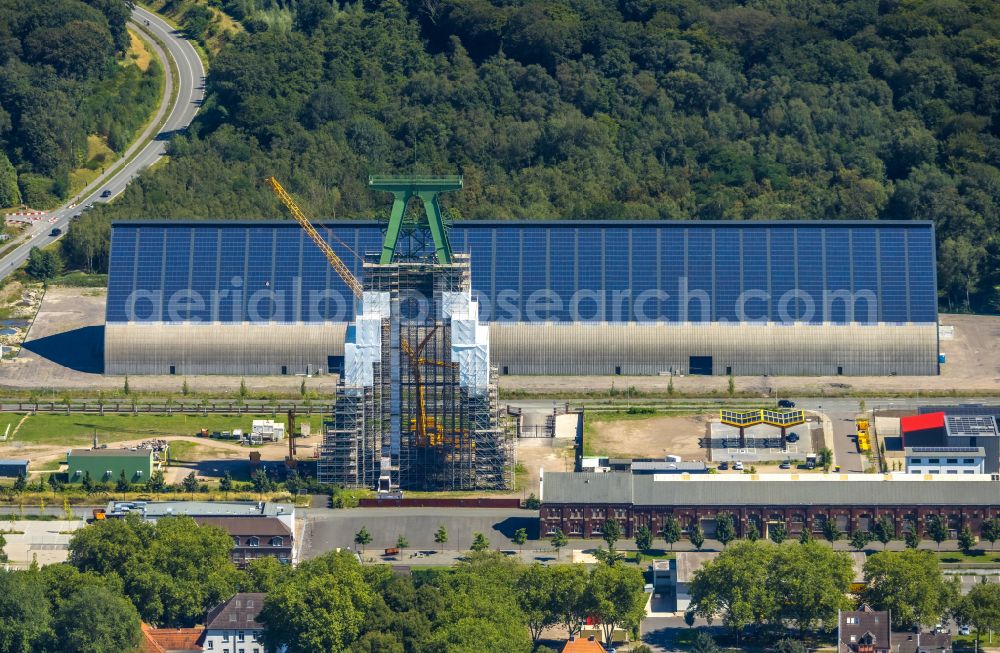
(331, 256)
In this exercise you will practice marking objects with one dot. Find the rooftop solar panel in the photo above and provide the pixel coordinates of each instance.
(783, 272)
(970, 425)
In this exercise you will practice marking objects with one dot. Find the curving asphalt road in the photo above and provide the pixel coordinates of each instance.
(190, 82)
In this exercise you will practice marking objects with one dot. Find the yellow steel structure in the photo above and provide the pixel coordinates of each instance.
(779, 418)
(331, 256)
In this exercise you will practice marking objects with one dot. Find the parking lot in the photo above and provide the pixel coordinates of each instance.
(760, 441)
(327, 530)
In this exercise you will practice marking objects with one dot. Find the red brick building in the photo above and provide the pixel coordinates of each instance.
(579, 503)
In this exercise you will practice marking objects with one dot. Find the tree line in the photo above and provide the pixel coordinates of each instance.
(169, 573)
(261, 482)
(764, 585)
(641, 109)
(882, 530)
(63, 77)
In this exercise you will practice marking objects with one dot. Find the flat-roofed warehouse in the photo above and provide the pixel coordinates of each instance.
(568, 297)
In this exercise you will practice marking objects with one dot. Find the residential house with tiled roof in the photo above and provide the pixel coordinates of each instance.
(864, 631)
(232, 627)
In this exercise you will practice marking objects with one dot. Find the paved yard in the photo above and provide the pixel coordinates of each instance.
(47, 542)
(327, 530)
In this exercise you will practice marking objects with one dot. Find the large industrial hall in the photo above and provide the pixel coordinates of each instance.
(558, 297)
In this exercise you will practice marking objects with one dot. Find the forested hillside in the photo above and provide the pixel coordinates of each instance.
(671, 109)
(62, 79)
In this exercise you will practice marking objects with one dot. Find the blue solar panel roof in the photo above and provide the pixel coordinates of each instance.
(812, 272)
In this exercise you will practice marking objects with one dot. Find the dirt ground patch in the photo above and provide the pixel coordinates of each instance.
(214, 459)
(652, 437)
(542, 453)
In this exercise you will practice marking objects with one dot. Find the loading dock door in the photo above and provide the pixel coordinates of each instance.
(700, 365)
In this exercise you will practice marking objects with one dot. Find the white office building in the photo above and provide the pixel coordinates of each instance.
(945, 460)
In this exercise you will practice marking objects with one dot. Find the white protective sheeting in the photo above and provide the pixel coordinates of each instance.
(376, 303)
(455, 304)
(470, 342)
(366, 350)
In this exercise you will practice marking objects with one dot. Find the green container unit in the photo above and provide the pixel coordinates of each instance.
(107, 464)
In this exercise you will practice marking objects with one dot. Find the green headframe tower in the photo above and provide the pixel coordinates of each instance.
(427, 189)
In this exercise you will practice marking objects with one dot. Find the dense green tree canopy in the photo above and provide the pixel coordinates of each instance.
(95, 620)
(25, 614)
(173, 570)
(57, 609)
(734, 588)
(910, 584)
(119, 570)
(758, 582)
(60, 81)
(811, 582)
(590, 109)
(980, 608)
(321, 607)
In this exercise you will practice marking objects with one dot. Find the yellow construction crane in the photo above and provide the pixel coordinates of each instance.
(331, 256)
(416, 360)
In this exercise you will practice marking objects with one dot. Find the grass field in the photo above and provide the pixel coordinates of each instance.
(138, 52)
(8, 421)
(99, 156)
(81, 279)
(78, 430)
(977, 556)
(652, 554)
(182, 452)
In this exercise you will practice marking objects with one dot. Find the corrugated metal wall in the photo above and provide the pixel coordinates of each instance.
(221, 348)
(743, 349)
(571, 349)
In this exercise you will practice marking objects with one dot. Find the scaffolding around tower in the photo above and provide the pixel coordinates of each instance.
(417, 406)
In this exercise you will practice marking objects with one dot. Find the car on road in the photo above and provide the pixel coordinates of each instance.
(792, 437)
(786, 403)
(785, 465)
(965, 630)
(738, 465)
(723, 466)
(56, 232)
(106, 193)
